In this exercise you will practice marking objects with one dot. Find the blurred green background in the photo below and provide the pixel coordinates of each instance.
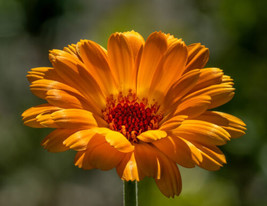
(235, 32)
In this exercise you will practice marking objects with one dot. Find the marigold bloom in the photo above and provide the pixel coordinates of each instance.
(141, 107)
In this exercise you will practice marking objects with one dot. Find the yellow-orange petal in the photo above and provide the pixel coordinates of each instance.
(170, 182)
(54, 53)
(115, 139)
(46, 121)
(96, 60)
(65, 99)
(227, 80)
(171, 39)
(79, 140)
(172, 123)
(194, 106)
(135, 40)
(233, 125)
(121, 61)
(118, 141)
(170, 68)
(68, 118)
(208, 77)
(77, 75)
(72, 49)
(155, 46)
(40, 87)
(54, 141)
(152, 135)
(198, 56)
(42, 73)
(101, 155)
(202, 132)
(176, 150)
(29, 116)
(127, 169)
(138, 60)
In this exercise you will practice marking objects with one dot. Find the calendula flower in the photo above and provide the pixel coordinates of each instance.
(141, 107)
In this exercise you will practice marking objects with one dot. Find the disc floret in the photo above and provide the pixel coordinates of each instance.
(131, 117)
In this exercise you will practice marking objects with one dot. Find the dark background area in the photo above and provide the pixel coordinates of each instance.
(235, 33)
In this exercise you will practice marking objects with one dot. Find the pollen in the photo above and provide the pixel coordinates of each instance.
(131, 117)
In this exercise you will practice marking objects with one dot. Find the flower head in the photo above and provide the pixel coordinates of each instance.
(141, 107)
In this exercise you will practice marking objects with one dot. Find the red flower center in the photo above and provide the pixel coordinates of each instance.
(131, 118)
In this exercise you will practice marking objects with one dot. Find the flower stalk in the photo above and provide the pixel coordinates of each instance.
(130, 193)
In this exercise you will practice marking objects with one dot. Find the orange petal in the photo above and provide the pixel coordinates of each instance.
(171, 39)
(207, 157)
(65, 99)
(46, 121)
(122, 61)
(42, 73)
(227, 80)
(135, 40)
(138, 60)
(127, 168)
(155, 47)
(49, 79)
(219, 93)
(170, 183)
(235, 126)
(196, 154)
(54, 141)
(40, 87)
(96, 60)
(79, 161)
(54, 53)
(170, 68)
(68, 118)
(72, 49)
(101, 155)
(176, 150)
(194, 106)
(115, 139)
(172, 123)
(213, 158)
(29, 116)
(79, 140)
(208, 77)
(119, 141)
(152, 135)
(198, 56)
(202, 132)
(76, 74)
(147, 161)
(181, 87)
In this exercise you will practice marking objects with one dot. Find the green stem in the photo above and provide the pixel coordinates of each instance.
(130, 193)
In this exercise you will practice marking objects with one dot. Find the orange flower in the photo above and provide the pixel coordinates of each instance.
(139, 106)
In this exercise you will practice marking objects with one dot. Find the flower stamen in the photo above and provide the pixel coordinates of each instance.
(131, 117)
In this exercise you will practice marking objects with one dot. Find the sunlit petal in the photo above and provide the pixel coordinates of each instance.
(141, 107)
